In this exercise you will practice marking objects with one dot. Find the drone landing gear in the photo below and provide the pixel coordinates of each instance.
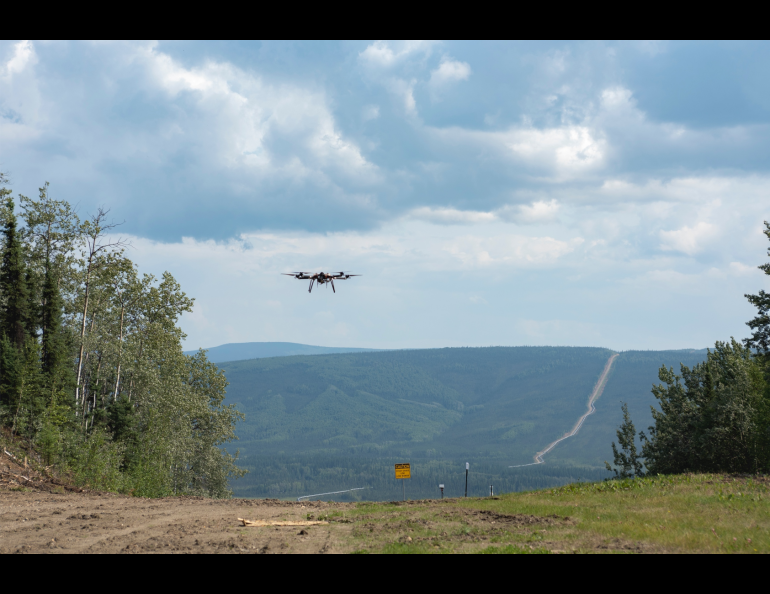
(310, 290)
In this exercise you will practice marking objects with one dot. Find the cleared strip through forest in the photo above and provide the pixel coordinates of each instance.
(598, 389)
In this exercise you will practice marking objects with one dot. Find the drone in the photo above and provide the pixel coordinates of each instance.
(320, 277)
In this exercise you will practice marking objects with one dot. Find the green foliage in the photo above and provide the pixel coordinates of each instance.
(10, 380)
(53, 359)
(14, 313)
(95, 460)
(91, 363)
(625, 484)
(630, 463)
(712, 418)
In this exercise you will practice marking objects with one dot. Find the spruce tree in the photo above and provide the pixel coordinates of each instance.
(53, 347)
(631, 465)
(14, 318)
(10, 379)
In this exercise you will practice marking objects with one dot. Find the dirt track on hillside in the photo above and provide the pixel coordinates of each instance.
(105, 523)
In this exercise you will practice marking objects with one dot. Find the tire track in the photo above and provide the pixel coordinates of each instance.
(598, 389)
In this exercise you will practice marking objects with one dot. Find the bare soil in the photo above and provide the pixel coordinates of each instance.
(41, 512)
(37, 522)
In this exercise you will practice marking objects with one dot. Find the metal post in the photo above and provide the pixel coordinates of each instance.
(490, 490)
(403, 484)
(467, 467)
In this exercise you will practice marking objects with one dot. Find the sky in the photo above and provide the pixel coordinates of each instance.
(508, 193)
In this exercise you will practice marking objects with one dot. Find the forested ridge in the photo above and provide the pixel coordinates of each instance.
(323, 423)
(92, 370)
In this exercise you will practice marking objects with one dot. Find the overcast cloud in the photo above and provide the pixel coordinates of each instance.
(491, 193)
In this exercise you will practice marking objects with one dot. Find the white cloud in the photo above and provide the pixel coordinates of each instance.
(451, 216)
(393, 64)
(569, 148)
(385, 54)
(538, 212)
(21, 117)
(689, 240)
(249, 133)
(449, 71)
(23, 56)
(243, 111)
(617, 98)
(565, 152)
(404, 90)
(472, 251)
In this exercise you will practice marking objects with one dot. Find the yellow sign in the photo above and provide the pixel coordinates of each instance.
(403, 471)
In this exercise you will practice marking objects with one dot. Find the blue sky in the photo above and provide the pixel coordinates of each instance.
(502, 193)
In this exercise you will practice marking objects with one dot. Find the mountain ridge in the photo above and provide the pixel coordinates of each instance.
(243, 351)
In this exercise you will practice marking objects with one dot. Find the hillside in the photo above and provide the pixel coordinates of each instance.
(239, 351)
(331, 422)
(631, 381)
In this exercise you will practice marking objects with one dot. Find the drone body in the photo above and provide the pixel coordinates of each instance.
(320, 277)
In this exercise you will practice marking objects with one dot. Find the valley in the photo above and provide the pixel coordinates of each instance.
(322, 423)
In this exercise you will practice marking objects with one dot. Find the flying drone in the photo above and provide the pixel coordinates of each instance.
(320, 277)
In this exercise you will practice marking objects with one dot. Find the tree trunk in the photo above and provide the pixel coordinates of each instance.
(83, 331)
(120, 352)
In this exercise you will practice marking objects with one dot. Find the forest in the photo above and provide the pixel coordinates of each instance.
(92, 371)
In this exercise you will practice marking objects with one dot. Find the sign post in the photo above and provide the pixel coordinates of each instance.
(467, 468)
(442, 490)
(403, 471)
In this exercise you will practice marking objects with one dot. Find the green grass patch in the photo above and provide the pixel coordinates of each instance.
(705, 513)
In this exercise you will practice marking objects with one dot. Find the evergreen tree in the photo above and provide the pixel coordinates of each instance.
(14, 318)
(716, 420)
(54, 349)
(10, 379)
(631, 465)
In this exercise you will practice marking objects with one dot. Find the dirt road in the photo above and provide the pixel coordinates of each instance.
(93, 523)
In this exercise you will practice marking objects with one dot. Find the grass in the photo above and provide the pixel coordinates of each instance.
(704, 513)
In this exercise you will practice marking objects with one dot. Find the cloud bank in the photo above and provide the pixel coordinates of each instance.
(575, 190)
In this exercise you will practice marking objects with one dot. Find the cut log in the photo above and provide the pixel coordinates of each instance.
(255, 523)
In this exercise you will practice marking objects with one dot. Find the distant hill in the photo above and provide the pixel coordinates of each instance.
(316, 424)
(239, 351)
